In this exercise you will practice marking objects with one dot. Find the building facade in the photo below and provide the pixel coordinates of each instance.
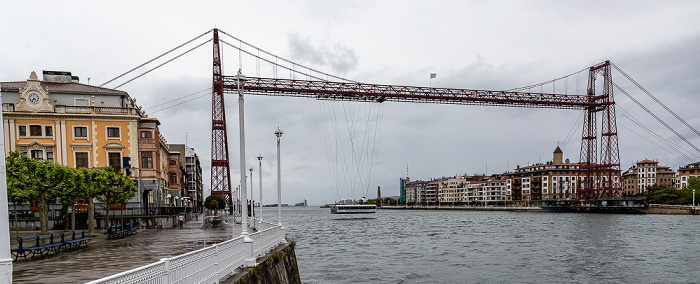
(83, 126)
(191, 175)
(554, 180)
(686, 172)
(644, 174)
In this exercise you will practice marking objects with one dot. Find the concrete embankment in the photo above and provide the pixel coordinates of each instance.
(465, 208)
(672, 210)
(653, 209)
(279, 266)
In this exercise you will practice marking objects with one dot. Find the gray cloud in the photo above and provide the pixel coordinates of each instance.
(337, 56)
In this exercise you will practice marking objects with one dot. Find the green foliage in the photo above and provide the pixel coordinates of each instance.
(39, 180)
(658, 194)
(215, 202)
(275, 255)
(292, 242)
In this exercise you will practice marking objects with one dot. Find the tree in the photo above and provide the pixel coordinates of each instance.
(36, 180)
(214, 202)
(97, 181)
(119, 190)
(73, 189)
(16, 194)
(660, 194)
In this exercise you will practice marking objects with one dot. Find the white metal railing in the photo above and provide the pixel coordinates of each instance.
(207, 265)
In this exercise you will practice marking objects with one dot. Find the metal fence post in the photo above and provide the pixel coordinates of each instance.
(217, 259)
(166, 270)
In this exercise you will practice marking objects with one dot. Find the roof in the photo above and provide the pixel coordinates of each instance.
(558, 150)
(61, 87)
(647, 161)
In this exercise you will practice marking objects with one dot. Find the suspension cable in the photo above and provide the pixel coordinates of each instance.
(656, 117)
(166, 62)
(657, 145)
(655, 99)
(159, 56)
(285, 60)
(171, 106)
(180, 98)
(545, 82)
(663, 140)
(291, 70)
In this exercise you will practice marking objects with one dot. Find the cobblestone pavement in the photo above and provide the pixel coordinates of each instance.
(105, 257)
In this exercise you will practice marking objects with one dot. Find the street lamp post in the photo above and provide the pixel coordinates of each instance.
(252, 202)
(693, 199)
(279, 133)
(260, 182)
(240, 80)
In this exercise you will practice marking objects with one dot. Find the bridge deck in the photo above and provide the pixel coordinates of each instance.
(104, 257)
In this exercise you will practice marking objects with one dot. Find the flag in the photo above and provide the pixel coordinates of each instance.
(433, 75)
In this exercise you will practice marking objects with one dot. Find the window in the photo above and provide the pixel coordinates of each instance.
(173, 178)
(81, 160)
(49, 130)
(172, 162)
(38, 154)
(147, 160)
(35, 130)
(145, 134)
(49, 156)
(80, 131)
(113, 132)
(22, 131)
(115, 160)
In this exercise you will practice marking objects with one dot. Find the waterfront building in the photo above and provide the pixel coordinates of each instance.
(431, 192)
(191, 175)
(554, 180)
(82, 126)
(414, 191)
(644, 174)
(485, 191)
(686, 172)
(451, 189)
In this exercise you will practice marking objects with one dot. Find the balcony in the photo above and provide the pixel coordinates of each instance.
(10, 107)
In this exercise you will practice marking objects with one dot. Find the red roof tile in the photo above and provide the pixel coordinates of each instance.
(647, 161)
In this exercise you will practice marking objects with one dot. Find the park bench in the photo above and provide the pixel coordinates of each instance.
(44, 244)
(117, 231)
(38, 247)
(73, 241)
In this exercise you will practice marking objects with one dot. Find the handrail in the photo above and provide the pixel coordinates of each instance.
(207, 265)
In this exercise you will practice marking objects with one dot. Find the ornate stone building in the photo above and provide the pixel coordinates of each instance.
(78, 125)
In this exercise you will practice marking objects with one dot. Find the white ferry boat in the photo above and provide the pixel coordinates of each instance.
(353, 209)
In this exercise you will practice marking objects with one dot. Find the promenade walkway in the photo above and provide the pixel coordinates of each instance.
(107, 257)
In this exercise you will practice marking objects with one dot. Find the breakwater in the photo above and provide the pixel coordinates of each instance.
(652, 209)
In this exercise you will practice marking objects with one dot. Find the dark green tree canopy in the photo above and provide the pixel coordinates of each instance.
(214, 202)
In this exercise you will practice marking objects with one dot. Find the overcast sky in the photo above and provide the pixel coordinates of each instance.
(490, 45)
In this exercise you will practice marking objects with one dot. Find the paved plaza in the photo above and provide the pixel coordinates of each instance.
(105, 257)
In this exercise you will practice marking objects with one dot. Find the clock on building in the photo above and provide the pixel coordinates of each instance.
(33, 98)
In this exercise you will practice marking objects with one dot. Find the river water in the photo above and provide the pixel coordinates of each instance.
(423, 246)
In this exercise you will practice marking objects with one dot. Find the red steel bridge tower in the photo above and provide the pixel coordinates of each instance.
(220, 171)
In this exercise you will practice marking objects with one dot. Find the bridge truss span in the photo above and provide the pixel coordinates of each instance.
(361, 92)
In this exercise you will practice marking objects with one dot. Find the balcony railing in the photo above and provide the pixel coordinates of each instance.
(10, 107)
(208, 265)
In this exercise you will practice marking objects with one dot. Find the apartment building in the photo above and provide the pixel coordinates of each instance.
(686, 172)
(644, 174)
